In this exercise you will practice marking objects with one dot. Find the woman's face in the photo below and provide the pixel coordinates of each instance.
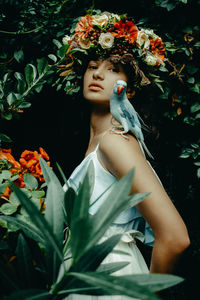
(99, 80)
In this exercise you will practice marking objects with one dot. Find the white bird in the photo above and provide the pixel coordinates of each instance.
(123, 111)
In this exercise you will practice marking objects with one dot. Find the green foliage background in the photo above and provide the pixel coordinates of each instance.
(31, 30)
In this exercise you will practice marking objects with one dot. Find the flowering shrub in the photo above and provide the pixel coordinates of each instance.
(26, 174)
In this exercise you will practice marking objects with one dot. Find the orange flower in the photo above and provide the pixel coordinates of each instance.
(6, 193)
(127, 30)
(84, 26)
(158, 48)
(20, 181)
(6, 154)
(30, 162)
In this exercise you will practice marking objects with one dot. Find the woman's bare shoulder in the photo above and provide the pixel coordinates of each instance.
(120, 153)
(116, 143)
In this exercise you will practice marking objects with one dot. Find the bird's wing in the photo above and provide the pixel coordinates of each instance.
(126, 114)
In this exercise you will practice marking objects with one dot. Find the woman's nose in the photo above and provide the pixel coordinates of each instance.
(98, 74)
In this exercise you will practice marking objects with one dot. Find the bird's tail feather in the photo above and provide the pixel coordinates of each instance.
(142, 145)
(142, 123)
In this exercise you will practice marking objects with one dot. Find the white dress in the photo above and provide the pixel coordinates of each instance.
(129, 222)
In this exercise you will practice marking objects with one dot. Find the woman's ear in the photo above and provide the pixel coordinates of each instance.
(130, 93)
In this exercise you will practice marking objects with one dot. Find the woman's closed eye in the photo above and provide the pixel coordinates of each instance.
(114, 69)
(92, 67)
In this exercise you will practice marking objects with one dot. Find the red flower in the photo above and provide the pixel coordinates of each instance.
(158, 48)
(127, 30)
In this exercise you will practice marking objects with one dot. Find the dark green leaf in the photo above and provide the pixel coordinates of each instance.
(24, 262)
(19, 76)
(30, 74)
(62, 51)
(195, 107)
(53, 57)
(19, 55)
(21, 86)
(11, 98)
(57, 43)
(5, 138)
(24, 105)
(42, 65)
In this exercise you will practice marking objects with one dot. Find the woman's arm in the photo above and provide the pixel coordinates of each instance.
(119, 156)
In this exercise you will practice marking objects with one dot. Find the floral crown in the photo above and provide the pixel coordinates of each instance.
(108, 34)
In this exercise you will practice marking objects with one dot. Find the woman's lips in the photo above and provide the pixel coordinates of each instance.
(95, 86)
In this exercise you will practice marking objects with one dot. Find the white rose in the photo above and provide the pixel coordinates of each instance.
(66, 39)
(100, 20)
(85, 43)
(151, 34)
(143, 39)
(151, 60)
(106, 40)
(114, 16)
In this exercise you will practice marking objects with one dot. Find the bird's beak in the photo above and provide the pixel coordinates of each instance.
(119, 89)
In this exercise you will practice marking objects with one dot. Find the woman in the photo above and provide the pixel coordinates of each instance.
(114, 155)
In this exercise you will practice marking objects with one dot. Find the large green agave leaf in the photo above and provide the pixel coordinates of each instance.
(93, 258)
(29, 294)
(69, 204)
(155, 282)
(54, 211)
(30, 230)
(116, 285)
(88, 262)
(80, 221)
(110, 268)
(117, 201)
(54, 214)
(24, 262)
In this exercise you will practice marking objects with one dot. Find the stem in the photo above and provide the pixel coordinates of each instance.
(16, 32)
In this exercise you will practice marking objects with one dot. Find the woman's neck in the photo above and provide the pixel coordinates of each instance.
(100, 122)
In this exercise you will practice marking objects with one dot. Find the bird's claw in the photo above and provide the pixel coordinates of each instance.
(113, 130)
